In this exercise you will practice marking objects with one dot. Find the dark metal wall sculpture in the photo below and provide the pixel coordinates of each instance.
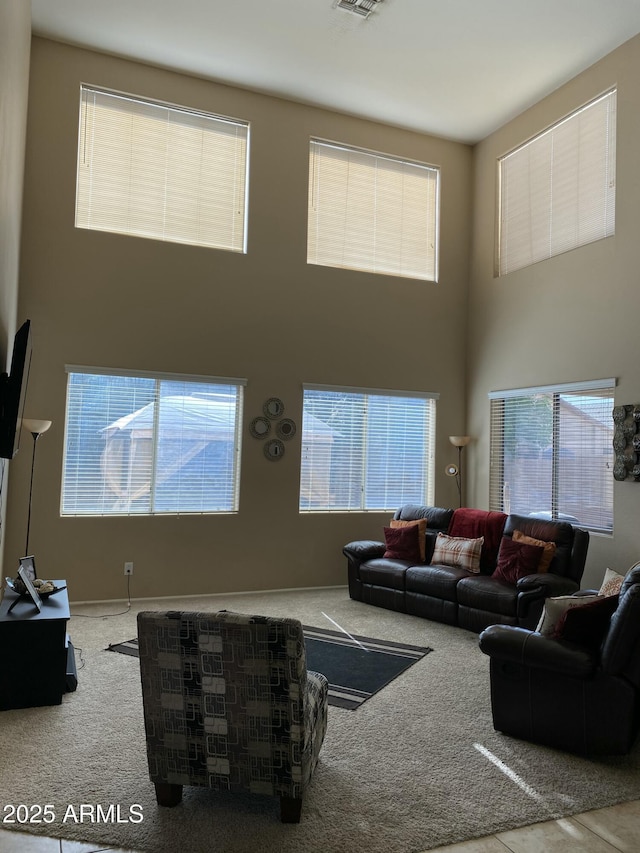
(626, 442)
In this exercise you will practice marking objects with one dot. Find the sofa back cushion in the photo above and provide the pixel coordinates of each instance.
(474, 523)
(438, 521)
(560, 532)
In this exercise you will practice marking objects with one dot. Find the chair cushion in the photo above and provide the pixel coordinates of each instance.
(421, 524)
(517, 560)
(556, 607)
(486, 593)
(611, 583)
(403, 543)
(458, 551)
(587, 625)
(548, 552)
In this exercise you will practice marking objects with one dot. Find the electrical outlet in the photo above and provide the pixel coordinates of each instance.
(128, 568)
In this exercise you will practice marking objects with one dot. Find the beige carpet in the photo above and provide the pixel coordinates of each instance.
(419, 765)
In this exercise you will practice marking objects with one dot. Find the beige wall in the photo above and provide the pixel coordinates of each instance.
(15, 42)
(571, 318)
(107, 300)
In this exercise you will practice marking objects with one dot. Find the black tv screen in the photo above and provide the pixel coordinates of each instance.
(13, 391)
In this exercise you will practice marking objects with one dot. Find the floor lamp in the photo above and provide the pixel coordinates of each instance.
(458, 441)
(36, 428)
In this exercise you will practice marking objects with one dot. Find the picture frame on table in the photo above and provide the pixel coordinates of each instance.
(29, 565)
(32, 592)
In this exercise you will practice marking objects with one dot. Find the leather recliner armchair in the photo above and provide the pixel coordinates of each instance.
(565, 695)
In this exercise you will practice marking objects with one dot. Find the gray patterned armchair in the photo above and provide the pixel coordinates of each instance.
(229, 705)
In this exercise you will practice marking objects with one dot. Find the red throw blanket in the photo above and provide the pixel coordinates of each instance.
(473, 523)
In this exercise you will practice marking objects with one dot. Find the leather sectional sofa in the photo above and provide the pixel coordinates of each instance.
(455, 595)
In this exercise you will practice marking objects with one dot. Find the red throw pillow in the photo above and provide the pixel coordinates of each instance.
(403, 543)
(587, 624)
(516, 559)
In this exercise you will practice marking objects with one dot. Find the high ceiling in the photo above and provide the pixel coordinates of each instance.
(455, 68)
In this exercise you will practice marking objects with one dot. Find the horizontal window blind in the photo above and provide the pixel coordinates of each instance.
(145, 445)
(161, 171)
(558, 190)
(372, 212)
(552, 453)
(366, 450)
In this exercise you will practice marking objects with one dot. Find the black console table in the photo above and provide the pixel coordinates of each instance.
(36, 651)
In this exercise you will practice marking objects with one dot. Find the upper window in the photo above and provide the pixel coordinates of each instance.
(144, 444)
(366, 450)
(160, 171)
(552, 453)
(372, 212)
(558, 191)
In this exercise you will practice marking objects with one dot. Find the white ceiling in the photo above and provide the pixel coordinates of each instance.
(455, 68)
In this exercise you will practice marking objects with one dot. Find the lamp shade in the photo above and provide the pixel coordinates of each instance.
(459, 440)
(35, 426)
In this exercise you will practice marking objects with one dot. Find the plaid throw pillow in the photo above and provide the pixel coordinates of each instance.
(458, 552)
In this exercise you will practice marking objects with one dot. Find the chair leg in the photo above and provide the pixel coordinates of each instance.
(168, 795)
(290, 809)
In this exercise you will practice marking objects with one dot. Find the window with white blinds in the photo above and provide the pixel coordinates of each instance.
(161, 171)
(145, 444)
(552, 453)
(366, 450)
(372, 212)
(558, 190)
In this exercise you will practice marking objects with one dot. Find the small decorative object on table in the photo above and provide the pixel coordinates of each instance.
(43, 588)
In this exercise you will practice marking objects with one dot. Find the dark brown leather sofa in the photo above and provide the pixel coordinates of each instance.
(565, 694)
(456, 596)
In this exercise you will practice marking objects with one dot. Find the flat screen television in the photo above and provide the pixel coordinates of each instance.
(13, 392)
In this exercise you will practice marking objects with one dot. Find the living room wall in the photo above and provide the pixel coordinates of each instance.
(570, 318)
(113, 301)
(15, 43)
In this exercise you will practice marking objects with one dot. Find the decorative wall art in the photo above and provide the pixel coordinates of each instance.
(273, 407)
(260, 427)
(626, 442)
(285, 428)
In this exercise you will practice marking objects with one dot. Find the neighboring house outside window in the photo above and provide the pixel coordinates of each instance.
(156, 170)
(372, 212)
(366, 450)
(145, 444)
(552, 453)
(558, 190)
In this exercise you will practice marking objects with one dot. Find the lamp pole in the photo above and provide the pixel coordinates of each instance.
(36, 428)
(459, 441)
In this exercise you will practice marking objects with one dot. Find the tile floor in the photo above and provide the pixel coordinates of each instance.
(612, 830)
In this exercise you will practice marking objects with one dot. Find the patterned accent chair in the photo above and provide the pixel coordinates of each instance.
(229, 705)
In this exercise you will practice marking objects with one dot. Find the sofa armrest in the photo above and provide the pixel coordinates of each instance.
(528, 648)
(548, 584)
(365, 549)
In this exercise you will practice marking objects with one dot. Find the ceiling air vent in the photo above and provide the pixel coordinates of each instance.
(359, 7)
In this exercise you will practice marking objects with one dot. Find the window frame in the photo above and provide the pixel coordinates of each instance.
(576, 210)
(208, 220)
(499, 500)
(196, 381)
(338, 246)
(428, 458)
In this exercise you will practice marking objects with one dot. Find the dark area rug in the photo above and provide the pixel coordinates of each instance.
(356, 667)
